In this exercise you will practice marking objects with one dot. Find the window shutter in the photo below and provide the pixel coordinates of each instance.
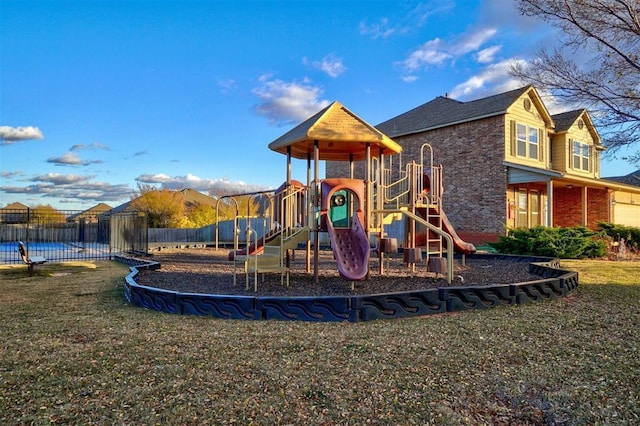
(570, 153)
(512, 137)
(542, 145)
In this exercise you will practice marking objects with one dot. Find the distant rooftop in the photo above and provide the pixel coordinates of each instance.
(632, 178)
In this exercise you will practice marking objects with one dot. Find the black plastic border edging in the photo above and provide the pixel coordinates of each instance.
(554, 283)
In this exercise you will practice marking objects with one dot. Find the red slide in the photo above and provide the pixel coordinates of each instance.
(459, 244)
(351, 249)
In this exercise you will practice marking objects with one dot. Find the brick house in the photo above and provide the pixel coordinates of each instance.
(509, 163)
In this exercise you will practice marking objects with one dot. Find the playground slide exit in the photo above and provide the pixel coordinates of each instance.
(351, 249)
(459, 244)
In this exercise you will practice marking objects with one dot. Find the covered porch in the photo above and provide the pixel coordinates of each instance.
(549, 198)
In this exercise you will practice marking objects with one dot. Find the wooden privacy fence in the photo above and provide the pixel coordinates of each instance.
(207, 234)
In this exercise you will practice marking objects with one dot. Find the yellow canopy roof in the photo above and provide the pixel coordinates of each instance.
(341, 136)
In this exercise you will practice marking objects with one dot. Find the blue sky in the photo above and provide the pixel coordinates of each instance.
(98, 96)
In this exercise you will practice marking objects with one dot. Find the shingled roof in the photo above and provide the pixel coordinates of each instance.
(94, 211)
(565, 120)
(15, 206)
(632, 178)
(340, 134)
(443, 111)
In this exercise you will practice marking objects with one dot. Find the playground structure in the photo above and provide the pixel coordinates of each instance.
(352, 212)
(355, 215)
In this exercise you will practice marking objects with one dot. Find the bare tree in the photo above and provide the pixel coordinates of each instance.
(606, 33)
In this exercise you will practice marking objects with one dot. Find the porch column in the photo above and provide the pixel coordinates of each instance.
(288, 165)
(550, 203)
(367, 188)
(316, 222)
(585, 217)
(310, 210)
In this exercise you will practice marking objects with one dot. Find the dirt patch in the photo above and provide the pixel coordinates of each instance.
(209, 271)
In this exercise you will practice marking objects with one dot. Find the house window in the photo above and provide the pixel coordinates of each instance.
(529, 208)
(533, 143)
(527, 141)
(581, 156)
(534, 198)
(521, 206)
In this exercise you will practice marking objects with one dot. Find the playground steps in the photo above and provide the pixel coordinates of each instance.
(271, 259)
(295, 237)
(390, 218)
(387, 219)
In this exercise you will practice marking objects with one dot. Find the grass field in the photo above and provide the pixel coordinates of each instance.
(73, 352)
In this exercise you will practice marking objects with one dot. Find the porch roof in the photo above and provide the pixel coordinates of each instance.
(518, 173)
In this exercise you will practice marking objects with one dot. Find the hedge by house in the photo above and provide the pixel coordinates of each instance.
(630, 234)
(576, 242)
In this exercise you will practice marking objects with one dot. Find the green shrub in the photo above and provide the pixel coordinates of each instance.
(631, 234)
(566, 243)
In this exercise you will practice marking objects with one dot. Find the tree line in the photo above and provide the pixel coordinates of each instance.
(166, 208)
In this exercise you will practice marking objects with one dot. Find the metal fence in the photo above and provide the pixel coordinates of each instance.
(64, 235)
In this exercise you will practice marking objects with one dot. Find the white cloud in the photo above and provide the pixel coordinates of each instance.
(71, 159)
(471, 41)
(59, 179)
(156, 178)
(487, 55)
(380, 29)
(287, 102)
(409, 78)
(91, 147)
(438, 51)
(71, 188)
(67, 159)
(493, 79)
(9, 135)
(431, 53)
(199, 184)
(10, 174)
(330, 65)
(409, 20)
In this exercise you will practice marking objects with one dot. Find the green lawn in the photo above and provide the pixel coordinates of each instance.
(74, 352)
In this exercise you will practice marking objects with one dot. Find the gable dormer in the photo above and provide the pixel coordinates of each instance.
(528, 123)
(576, 144)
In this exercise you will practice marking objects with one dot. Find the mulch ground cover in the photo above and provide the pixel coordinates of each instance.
(209, 271)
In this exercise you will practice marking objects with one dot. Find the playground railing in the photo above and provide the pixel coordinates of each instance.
(439, 231)
(396, 192)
